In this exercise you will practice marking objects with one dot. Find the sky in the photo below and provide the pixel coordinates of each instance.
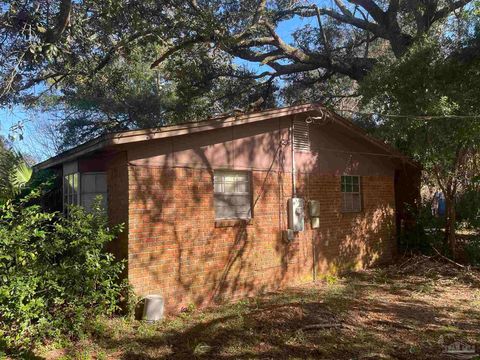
(31, 143)
(15, 121)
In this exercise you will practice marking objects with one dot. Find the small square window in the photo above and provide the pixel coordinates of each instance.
(351, 195)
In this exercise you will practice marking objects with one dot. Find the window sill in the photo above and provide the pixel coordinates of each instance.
(351, 211)
(232, 222)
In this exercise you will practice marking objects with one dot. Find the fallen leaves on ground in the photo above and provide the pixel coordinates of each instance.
(410, 310)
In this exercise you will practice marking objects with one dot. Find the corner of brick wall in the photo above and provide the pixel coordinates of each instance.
(117, 180)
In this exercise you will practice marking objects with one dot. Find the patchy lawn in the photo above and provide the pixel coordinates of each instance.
(410, 311)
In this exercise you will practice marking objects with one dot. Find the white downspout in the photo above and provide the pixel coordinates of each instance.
(294, 175)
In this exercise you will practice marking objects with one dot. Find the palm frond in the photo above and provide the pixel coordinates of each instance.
(20, 176)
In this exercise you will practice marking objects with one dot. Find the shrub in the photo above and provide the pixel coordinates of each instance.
(468, 208)
(55, 276)
(424, 232)
(472, 251)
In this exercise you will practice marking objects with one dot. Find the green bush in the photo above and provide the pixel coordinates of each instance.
(424, 233)
(472, 251)
(468, 208)
(55, 276)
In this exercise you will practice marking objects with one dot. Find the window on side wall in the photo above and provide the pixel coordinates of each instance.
(93, 185)
(232, 195)
(71, 190)
(351, 194)
(83, 189)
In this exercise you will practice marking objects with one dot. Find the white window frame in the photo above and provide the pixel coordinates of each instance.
(351, 193)
(240, 187)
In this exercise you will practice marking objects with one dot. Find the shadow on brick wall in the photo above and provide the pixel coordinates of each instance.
(177, 249)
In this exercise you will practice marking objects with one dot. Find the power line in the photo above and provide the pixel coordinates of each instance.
(425, 117)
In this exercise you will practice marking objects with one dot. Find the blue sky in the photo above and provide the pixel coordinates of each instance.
(30, 144)
(10, 119)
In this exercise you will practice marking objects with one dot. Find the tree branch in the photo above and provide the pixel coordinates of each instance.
(250, 55)
(445, 11)
(310, 11)
(341, 5)
(63, 19)
(259, 12)
(120, 45)
(180, 46)
(290, 51)
(373, 9)
(414, 7)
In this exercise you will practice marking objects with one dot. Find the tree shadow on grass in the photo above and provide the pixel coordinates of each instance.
(370, 321)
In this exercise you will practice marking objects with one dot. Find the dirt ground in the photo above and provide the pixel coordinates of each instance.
(413, 310)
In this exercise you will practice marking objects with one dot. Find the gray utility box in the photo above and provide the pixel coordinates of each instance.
(314, 208)
(296, 214)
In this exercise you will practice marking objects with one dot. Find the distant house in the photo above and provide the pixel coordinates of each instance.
(207, 205)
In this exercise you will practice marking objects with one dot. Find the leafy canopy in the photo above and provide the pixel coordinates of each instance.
(112, 65)
(435, 95)
(428, 81)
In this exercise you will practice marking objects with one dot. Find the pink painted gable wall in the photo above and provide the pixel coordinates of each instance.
(265, 145)
(335, 151)
(250, 146)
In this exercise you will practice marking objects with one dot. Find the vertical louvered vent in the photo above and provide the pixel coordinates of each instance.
(301, 137)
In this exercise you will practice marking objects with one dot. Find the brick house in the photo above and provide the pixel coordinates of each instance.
(205, 204)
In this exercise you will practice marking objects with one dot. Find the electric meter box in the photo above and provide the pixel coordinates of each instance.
(296, 216)
(314, 208)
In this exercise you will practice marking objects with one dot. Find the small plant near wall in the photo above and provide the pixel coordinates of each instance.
(55, 277)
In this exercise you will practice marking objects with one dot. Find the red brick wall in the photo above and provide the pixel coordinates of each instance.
(351, 240)
(175, 248)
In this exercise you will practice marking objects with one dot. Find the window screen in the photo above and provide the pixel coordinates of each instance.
(232, 195)
(71, 191)
(351, 196)
(93, 184)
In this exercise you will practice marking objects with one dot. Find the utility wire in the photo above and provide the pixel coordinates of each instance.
(425, 117)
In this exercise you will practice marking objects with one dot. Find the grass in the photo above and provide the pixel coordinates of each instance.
(378, 314)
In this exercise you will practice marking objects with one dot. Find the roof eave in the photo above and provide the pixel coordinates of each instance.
(90, 146)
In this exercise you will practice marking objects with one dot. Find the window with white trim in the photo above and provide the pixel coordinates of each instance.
(232, 195)
(71, 189)
(93, 185)
(351, 193)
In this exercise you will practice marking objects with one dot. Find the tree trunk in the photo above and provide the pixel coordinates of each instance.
(450, 222)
